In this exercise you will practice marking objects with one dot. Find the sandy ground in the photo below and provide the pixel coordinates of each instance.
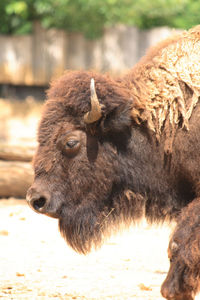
(36, 263)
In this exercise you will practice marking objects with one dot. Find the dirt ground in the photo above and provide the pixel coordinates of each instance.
(36, 263)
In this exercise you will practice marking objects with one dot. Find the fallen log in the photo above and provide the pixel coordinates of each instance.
(15, 178)
(16, 153)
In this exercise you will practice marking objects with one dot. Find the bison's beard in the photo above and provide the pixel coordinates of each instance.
(84, 227)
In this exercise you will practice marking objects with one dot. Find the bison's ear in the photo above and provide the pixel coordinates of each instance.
(118, 120)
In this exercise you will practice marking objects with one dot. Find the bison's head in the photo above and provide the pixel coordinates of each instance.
(179, 283)
(182, 281)
(79, 174)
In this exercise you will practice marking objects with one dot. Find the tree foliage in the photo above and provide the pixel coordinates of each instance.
(92, 16)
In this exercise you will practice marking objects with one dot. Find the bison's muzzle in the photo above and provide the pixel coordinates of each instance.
(39, 201)
(175, 287)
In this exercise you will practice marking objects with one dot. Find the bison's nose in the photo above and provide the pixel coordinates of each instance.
(168, 292)
(167, 288)
(165, 293)
(37, 201)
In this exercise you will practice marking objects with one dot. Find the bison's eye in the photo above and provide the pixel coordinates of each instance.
(69, 144)
(71, 148)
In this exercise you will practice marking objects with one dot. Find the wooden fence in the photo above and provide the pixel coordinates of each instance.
(33, 60)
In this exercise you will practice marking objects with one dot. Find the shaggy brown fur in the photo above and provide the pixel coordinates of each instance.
(141, 158)
(166, 84)
(184, 255)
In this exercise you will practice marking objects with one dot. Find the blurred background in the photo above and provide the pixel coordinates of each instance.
(41, 39)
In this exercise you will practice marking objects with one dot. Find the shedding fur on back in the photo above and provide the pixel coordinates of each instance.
(165, 85)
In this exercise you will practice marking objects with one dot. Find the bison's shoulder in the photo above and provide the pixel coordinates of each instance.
(166, 84)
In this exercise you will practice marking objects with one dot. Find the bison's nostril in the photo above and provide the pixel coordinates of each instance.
(39, 203)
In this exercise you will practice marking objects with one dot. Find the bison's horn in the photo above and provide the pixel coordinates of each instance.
(95, 113)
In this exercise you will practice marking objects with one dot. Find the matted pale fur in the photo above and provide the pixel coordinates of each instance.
(166, 85)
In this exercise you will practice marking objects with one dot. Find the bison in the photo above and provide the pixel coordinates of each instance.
(112, 150)
(184, 255)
